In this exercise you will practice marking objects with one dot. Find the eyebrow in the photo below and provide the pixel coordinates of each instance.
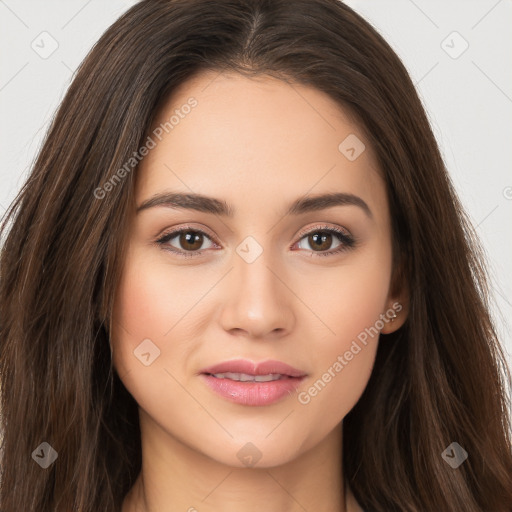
(201, 203)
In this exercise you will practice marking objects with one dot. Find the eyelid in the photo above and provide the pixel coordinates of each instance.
(322, 227)
(188, 227)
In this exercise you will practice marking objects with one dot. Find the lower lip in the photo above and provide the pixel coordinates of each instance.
(253, 393)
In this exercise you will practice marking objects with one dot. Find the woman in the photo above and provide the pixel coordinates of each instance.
(239, 277)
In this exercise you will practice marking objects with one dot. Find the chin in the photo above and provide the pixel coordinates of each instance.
(257, 452)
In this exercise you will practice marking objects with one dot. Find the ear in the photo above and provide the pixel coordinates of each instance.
(397, 303)
(395, 316)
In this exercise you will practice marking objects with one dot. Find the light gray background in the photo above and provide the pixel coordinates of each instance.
(468, 98)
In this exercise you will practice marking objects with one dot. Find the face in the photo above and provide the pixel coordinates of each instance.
(246, 276)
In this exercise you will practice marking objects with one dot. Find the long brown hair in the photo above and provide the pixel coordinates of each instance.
(439, 379)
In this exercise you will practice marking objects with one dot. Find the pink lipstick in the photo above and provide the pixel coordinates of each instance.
(256, 384)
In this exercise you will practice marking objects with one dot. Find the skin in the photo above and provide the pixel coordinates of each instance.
(257, 144)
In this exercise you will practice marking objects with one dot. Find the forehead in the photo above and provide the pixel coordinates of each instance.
(256, 139)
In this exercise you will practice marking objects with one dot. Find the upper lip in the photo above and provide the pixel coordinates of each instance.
(252, 368)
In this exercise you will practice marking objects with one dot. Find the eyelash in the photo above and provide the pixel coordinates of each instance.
(347, 242)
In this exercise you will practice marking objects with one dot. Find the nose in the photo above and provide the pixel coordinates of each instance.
(257, 300)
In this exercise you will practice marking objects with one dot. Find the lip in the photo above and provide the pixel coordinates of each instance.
(253, 393)
(262, 368)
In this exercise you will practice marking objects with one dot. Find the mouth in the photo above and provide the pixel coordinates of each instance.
(247, 383)
(245, 377)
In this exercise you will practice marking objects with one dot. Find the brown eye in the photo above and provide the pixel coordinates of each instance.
(190, 240)
(185, 240)
(320, 241)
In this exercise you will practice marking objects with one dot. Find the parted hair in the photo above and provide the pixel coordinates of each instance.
(440, 378)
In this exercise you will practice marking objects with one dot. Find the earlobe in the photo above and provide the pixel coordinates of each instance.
(395, 318)
(397, 312)
(398, 301)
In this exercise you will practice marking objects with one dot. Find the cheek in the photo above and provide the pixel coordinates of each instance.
(153, 314)
(143, 310)
(350, 298)
(344, 356)
(146, 309)
(152, 298)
